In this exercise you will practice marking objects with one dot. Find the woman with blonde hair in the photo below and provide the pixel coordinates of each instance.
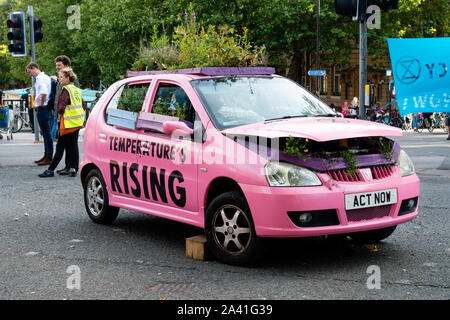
(71, 115)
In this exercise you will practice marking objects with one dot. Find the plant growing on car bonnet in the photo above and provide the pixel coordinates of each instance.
(298, 147)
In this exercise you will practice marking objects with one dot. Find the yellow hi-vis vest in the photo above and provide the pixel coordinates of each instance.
(74, 113)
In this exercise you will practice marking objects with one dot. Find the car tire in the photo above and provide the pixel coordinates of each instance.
(372, 236)
(96, 199)
(230, 231)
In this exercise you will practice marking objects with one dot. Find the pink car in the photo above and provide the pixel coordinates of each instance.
(244, 154)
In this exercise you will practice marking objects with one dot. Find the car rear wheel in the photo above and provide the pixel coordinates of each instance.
(96, 199)
(372, 236)
(230, 230)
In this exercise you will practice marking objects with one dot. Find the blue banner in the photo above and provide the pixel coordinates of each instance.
(421, 74)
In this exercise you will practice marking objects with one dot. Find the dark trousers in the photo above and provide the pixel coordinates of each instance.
(69, 143)
(43, 117)
(31, 118)
(72, 151)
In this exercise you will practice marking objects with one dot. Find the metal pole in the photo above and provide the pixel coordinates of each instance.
(317, 44)
(33, 59)
(362, 61)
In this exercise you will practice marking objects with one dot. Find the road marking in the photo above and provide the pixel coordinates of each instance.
(425, 145)
(18, 144)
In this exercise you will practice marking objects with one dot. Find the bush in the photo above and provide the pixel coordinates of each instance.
(192, 46)
(159, 55)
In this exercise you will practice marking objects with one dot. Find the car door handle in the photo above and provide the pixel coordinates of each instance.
(102, 136)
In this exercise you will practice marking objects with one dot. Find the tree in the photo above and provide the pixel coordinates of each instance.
(113, 32)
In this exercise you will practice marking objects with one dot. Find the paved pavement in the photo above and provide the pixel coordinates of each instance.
(23, 149)
(45, 232)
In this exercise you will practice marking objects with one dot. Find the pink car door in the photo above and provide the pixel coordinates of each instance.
(116, 139)
(168, 165)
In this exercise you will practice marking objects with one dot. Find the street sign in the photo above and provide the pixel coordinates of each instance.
(321, 73)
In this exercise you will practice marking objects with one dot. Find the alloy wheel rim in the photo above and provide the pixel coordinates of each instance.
(95, 196)
(231, 229)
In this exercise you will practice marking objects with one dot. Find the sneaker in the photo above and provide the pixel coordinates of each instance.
(47, 173)
(63, 172)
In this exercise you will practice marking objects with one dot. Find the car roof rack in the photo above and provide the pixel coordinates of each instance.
(208, 71)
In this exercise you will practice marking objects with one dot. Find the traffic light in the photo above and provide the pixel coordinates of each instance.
(348, 8)
(357, 8)
(17, 34)
(37, 24)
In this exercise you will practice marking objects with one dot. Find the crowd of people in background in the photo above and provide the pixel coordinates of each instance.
(60, 112)
(392, 116)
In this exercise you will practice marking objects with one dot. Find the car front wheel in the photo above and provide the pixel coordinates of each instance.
(230, 230)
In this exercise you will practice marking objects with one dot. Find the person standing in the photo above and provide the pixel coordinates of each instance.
(415, 121)
(71, 115)
(62, 62)
(354, 107)
(345, 109)
(26, 98)
(42, 87)
(447, 123)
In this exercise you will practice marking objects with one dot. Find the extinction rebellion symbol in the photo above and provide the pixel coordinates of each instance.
(408, 70)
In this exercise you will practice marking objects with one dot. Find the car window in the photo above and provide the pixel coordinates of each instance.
(129, 97)
(171, 100)
(240, 100)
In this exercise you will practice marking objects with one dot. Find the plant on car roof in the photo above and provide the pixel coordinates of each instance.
(192, 45)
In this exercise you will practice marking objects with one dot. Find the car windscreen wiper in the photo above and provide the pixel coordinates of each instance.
(326, 115)
(287, 117)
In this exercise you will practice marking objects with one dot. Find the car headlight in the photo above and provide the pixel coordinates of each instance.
(405, 164)
(280, 174)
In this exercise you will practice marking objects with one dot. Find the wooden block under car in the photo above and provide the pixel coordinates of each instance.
(196, 248)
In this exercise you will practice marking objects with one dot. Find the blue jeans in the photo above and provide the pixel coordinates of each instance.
(54, 125)
(44, 116)
(415, 119)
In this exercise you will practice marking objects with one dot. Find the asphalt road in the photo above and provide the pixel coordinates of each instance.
(47, 239)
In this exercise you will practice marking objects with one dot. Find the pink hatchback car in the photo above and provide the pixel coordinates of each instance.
(244, 154)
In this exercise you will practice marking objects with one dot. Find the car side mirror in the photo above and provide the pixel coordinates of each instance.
(177, 128)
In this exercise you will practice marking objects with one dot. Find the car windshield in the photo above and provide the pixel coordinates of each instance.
(240, 100)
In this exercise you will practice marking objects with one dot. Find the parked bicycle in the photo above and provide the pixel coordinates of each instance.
(439, 121)
(420, 125)
(394, 121)
(407, 124)
(20, 120)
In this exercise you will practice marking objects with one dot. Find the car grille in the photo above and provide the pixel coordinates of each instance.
(363, 174)
(344, 175)
(358, 215)
(381, 172)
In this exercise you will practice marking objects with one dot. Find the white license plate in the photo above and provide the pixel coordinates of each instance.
(370, 199)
